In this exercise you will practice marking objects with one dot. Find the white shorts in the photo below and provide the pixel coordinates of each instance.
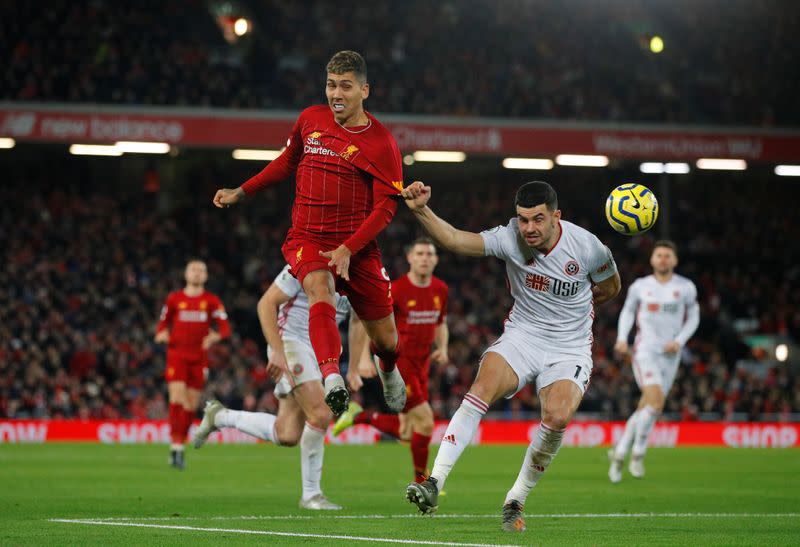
(302, 365)
(536, 361)
(655, 368)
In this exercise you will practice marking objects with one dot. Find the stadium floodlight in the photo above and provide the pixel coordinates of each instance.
(656, 44)
(253, 154)
(134, 147)
(676, 168)
(94, 150)
(408, 159)
(782, 170)
(539, 164)
(448, 156)
(241, 26)
(722, 164)
(655, 167)
(6, 142)
(781, 352)
(578, 160)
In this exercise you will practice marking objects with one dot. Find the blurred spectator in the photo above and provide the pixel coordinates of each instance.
(724, 62)
(85, 270)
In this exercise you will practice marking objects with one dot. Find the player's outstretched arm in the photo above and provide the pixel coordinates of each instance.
(225, 197)
(607, 289)
(442, 232)
(268, 317)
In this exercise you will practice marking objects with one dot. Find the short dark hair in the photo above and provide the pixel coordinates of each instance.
(667, 244)
(421, 240)
(348, 61)
(535, 193)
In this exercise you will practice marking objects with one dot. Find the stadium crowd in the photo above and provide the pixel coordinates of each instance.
(723, 62)
(86, 268)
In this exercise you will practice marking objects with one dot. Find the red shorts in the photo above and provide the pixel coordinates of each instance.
(191, 370)
(415, 373)
(369, 289)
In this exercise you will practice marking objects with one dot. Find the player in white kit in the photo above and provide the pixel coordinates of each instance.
(302, 415)
(557, 272)
(664, 306)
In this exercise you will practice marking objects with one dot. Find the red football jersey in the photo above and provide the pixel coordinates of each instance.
(343, 175)
(189, 319)
(417, 312)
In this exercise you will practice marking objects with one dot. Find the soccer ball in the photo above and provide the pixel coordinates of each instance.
(631, 209)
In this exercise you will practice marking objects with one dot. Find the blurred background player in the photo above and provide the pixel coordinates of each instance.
(664, 306)
(185, 327)
(348, 172)
(302, 414)
(557, 272)
(420, 309)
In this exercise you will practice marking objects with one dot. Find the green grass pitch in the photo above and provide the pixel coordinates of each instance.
(128, 495)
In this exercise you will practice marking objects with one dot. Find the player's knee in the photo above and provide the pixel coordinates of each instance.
(288, 434)
(556, 418)
(320, 417)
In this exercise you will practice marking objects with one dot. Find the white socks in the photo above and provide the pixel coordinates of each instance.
(644, 425)
(257, 424)
(624, 443)
(312, 451)
(460, 430)
(540, 453)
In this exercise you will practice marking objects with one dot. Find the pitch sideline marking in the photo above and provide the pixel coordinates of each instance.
(441, 516)
(271, 533)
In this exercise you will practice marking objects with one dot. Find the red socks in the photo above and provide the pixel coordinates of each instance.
(388, 359)
(188, 418)
(325, 337)
(176, 421)
(386, 423)
(419, 454)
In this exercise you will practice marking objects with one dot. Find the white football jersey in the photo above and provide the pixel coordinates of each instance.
(664, 312)
(552, 291)
(293, 314)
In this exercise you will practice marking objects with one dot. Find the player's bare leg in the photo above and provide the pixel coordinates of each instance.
(650, 406)
(495, 379)
(320, 288)
(309, 396)
(385, 344)
(559, 402)
(283, 429)
(178, 401)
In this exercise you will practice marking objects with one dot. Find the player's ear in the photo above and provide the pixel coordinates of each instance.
(365, 90)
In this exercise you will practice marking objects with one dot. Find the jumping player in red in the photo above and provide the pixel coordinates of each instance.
(420, 306)
(348, 175)
(185, 327)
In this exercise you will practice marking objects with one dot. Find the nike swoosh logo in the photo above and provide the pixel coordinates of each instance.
(635, 199)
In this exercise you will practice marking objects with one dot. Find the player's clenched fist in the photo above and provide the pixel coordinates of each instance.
(416, 195)
(225, 197)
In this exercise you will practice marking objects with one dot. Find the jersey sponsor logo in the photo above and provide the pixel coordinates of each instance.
(422, 317)
(315, 135)
(319, 151)
(557, 287)
(671, 307)
(437, 302)
(571, 268)
(411, 303)
(653, 306)
(193, 316)
(182, 305)
(349, 152)
(537, 282)
(203, 304)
